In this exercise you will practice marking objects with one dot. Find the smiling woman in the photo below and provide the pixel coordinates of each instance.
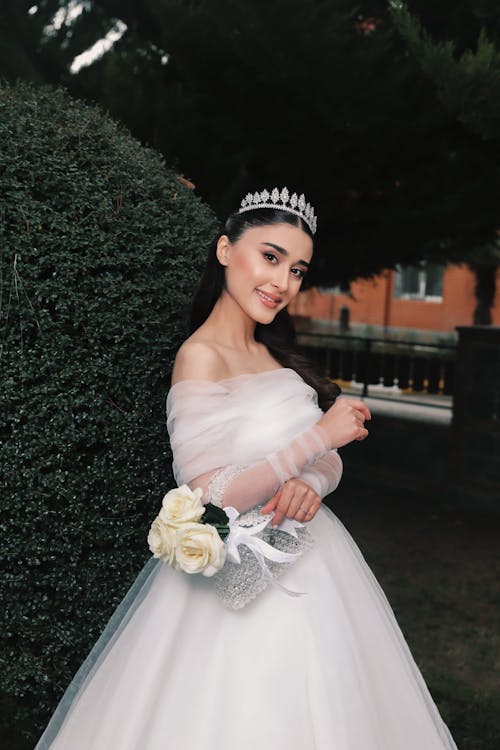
(274, 276)
(274, 248)
(254, 434)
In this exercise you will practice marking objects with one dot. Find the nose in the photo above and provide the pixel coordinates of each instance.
(281, 279)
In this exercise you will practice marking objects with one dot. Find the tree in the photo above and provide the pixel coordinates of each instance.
(468, 89)
(237, 108)
(321, 96)
(28, 52)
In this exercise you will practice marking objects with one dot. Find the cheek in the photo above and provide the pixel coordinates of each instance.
(246, 268)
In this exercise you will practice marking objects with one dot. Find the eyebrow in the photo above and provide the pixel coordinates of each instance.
(285, 252)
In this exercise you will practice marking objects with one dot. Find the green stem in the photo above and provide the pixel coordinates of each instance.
(224, 528)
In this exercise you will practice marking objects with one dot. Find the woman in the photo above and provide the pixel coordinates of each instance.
(243, 661)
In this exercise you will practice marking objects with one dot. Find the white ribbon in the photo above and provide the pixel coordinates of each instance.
(288, 525)
(261, 550)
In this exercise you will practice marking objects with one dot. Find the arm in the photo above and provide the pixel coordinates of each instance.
(300, 497)
(201, 441)
(323, 475)
(247, 486)
(310, 457)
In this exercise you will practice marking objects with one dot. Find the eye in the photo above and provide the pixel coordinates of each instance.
(272, 258)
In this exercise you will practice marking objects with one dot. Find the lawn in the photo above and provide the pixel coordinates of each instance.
(440, 570)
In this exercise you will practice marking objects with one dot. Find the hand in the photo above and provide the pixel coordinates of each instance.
(345, 421)
(295, 499)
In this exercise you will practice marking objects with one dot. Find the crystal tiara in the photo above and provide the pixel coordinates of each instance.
(283, 201)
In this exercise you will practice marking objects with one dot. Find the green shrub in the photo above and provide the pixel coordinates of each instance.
(101, 246)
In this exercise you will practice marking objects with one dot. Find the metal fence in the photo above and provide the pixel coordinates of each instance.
(415, 367)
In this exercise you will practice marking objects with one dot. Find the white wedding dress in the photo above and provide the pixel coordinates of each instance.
(176, 669)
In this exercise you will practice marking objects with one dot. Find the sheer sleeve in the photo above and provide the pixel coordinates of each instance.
(323, 475)
(247, 486)
(240, 444)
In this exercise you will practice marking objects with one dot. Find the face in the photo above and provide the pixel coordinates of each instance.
(265, 268)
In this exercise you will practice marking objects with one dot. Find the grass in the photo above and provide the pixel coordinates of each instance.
(440, 571)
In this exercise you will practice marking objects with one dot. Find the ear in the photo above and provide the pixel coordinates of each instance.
(223, 250)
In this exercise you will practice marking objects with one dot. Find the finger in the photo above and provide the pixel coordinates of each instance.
(360, 414)
(360, 406)
(271, 504)
(302, 514)
(307, 512)
(278, 517)
(293, 495)
(306, 501)
(282, 507)
(363, 433)
(366, 411)
(297, 500)
(287, 498)
(311, 513)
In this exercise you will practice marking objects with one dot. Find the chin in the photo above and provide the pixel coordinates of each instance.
(264, 318)
(262, 314)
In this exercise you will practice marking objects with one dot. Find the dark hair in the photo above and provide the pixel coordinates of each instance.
(279, 335)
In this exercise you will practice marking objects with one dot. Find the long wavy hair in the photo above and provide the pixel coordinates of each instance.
(278, 336)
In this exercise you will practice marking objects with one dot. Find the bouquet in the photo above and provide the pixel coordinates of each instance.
(189, 535)
(203, 538)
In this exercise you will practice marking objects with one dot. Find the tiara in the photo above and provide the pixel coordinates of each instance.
(283, 201)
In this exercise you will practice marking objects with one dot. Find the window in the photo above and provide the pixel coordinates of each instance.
(422, 281)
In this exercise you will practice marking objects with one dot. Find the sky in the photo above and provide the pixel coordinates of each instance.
(67, 16)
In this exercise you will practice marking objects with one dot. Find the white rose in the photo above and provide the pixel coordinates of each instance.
(199, 549)
(182, 505)
(161, 540)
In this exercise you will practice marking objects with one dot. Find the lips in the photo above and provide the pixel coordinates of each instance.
(270, 300)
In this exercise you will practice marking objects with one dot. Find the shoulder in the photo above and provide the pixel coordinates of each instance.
(197, 359)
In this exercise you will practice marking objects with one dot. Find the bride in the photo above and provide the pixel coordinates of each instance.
(308, 656)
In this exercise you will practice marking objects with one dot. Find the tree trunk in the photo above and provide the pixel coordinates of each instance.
(485, 292)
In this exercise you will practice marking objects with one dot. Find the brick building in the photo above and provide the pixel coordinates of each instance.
(429, 297)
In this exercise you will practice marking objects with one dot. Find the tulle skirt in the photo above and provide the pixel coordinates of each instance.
(330, 670)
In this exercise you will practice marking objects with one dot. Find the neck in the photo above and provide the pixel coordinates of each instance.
(231, 326)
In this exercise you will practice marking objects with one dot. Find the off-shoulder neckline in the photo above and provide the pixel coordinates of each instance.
(235, 377)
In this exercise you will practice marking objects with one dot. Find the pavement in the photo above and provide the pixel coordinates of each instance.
(392, 402)
(417, 412)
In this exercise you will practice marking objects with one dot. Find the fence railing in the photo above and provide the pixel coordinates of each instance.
(424, 368)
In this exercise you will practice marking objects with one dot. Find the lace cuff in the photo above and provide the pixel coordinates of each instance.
(220, 481)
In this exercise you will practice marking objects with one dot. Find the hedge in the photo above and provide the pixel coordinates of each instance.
(101, 247)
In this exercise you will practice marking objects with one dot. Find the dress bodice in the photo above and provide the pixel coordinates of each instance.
(238, 420)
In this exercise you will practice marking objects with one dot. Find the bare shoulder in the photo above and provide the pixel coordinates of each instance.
(199, 360)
